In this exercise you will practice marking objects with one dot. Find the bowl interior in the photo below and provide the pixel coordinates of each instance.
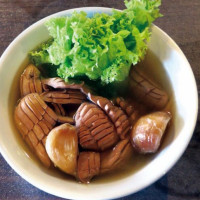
(181, 86)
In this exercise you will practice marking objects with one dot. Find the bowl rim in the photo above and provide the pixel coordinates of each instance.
(128, 191)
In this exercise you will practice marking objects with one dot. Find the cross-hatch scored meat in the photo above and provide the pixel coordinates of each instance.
(62, 115)
(34, 120)
(116, 114)
(66, 96)
(147, 90)
(59, 110)
(131, 110)
(66, 93)
(88, 166)
(30, 81)
(116, 157)
(95, 129)
(58, 83)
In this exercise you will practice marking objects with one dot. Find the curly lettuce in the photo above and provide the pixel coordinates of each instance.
(102, 47)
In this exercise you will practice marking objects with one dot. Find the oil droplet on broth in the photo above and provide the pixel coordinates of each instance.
(153, 67)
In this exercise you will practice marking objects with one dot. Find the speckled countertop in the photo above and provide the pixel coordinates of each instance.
(182, 22)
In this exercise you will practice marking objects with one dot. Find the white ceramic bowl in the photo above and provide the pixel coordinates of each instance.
(185, 98)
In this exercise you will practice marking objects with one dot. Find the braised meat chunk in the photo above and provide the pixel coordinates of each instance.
(116, 157)
(116, 114)
(58, 83)
(95, 129)
(35, 119)
(132, 108)
(64, 97)
(88, 166)
(62, 115)
(30, 81)
(146, 90)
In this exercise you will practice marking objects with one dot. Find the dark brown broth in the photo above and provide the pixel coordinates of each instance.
(154, 68)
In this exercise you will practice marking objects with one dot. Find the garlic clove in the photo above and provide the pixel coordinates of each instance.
(148, 131)
(62, 148)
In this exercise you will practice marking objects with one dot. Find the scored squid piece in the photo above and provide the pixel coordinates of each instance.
(34, 120)
(95, 129)
(148, 131)
(88, 166)
(147, 90)
(30, 81)
(132, 109)
(65, 119)
(116, 114)
(116, 157)
(58, 83)
(64, 97)
(59, 110)
(62, 148)
(61, 114)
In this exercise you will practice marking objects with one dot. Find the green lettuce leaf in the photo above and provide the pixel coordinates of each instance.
(102, 47)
